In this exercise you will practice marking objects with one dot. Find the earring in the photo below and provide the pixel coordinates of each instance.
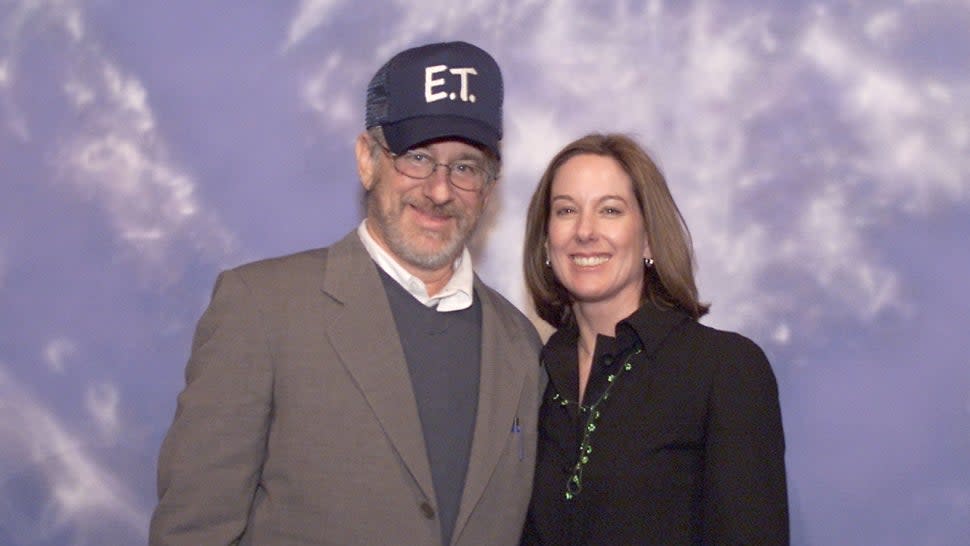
(648, 262)
(548, 264)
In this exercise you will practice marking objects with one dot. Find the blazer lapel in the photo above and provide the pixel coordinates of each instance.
(501, 384)
(363, 333)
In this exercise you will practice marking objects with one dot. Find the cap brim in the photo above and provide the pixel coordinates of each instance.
(408, 133)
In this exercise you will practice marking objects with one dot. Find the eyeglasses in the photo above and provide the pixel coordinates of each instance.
(465, 174)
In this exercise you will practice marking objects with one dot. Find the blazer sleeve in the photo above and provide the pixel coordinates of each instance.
(210, 460)
(745, 492)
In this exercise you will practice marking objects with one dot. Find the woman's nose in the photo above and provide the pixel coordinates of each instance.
(586, 227)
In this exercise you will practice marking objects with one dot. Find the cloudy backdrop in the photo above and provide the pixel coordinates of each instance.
(820, 152)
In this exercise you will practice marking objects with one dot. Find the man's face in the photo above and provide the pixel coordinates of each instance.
(423, 223)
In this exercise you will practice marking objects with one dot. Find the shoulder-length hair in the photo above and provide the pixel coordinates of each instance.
(668, 283)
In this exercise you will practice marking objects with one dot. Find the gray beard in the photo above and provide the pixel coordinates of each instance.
(397, 241)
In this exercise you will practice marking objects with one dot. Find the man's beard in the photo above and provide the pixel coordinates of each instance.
(389, 225)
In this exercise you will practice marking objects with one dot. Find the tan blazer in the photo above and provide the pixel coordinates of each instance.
(298, 424)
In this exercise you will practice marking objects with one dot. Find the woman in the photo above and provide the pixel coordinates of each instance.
(654, 429)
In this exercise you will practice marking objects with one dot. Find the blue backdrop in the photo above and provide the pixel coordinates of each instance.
(820, 152)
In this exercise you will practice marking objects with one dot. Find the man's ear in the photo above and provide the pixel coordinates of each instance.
(486, 192)
(366, 163)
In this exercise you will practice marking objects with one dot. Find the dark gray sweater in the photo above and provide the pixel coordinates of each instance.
(443, 352)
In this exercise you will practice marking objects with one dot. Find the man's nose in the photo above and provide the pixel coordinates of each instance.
(437, 187)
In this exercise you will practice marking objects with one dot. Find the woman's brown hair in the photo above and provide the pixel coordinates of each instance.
(668, 283)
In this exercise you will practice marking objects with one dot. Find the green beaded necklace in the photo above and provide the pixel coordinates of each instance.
(575, 483)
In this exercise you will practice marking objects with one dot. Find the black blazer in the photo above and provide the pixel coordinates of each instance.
(688, 446)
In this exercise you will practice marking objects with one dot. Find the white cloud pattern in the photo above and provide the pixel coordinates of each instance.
(799, 140)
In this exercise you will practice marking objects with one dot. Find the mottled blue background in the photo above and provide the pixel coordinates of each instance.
(820, 152)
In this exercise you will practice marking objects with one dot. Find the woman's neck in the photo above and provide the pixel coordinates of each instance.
(593, 320)
(599, 318)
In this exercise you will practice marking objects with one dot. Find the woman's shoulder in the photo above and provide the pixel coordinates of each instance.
(723, 347)
(723, 338)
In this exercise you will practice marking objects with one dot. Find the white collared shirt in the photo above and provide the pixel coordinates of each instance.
(456, 295)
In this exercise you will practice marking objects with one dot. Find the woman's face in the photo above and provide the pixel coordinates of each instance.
(596, 238)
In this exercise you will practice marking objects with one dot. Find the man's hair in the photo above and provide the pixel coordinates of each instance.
(668, 283)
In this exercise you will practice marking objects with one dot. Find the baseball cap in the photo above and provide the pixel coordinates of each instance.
(449, 89)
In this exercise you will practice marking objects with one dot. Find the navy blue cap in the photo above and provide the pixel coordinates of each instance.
(444, 90)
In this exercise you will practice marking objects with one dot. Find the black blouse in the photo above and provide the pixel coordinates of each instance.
(685, 448)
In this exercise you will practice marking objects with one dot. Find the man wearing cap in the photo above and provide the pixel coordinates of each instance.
(375, 391)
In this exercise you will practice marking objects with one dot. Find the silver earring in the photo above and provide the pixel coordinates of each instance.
(548, 264)
(648, 262)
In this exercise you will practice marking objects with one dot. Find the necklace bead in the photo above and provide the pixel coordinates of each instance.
(575, 483)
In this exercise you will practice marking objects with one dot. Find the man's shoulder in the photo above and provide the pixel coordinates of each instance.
(496, 298)
(507, 312)
(305, 262)
(309, 261)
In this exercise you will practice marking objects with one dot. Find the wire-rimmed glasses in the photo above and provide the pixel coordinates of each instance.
(464, 174)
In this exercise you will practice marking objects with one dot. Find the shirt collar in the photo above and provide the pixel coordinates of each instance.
(647, 328)
(456, 295)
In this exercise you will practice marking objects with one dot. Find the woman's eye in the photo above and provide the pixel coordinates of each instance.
(564, 211)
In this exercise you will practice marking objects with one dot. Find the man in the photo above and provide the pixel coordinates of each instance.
(376, 391)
